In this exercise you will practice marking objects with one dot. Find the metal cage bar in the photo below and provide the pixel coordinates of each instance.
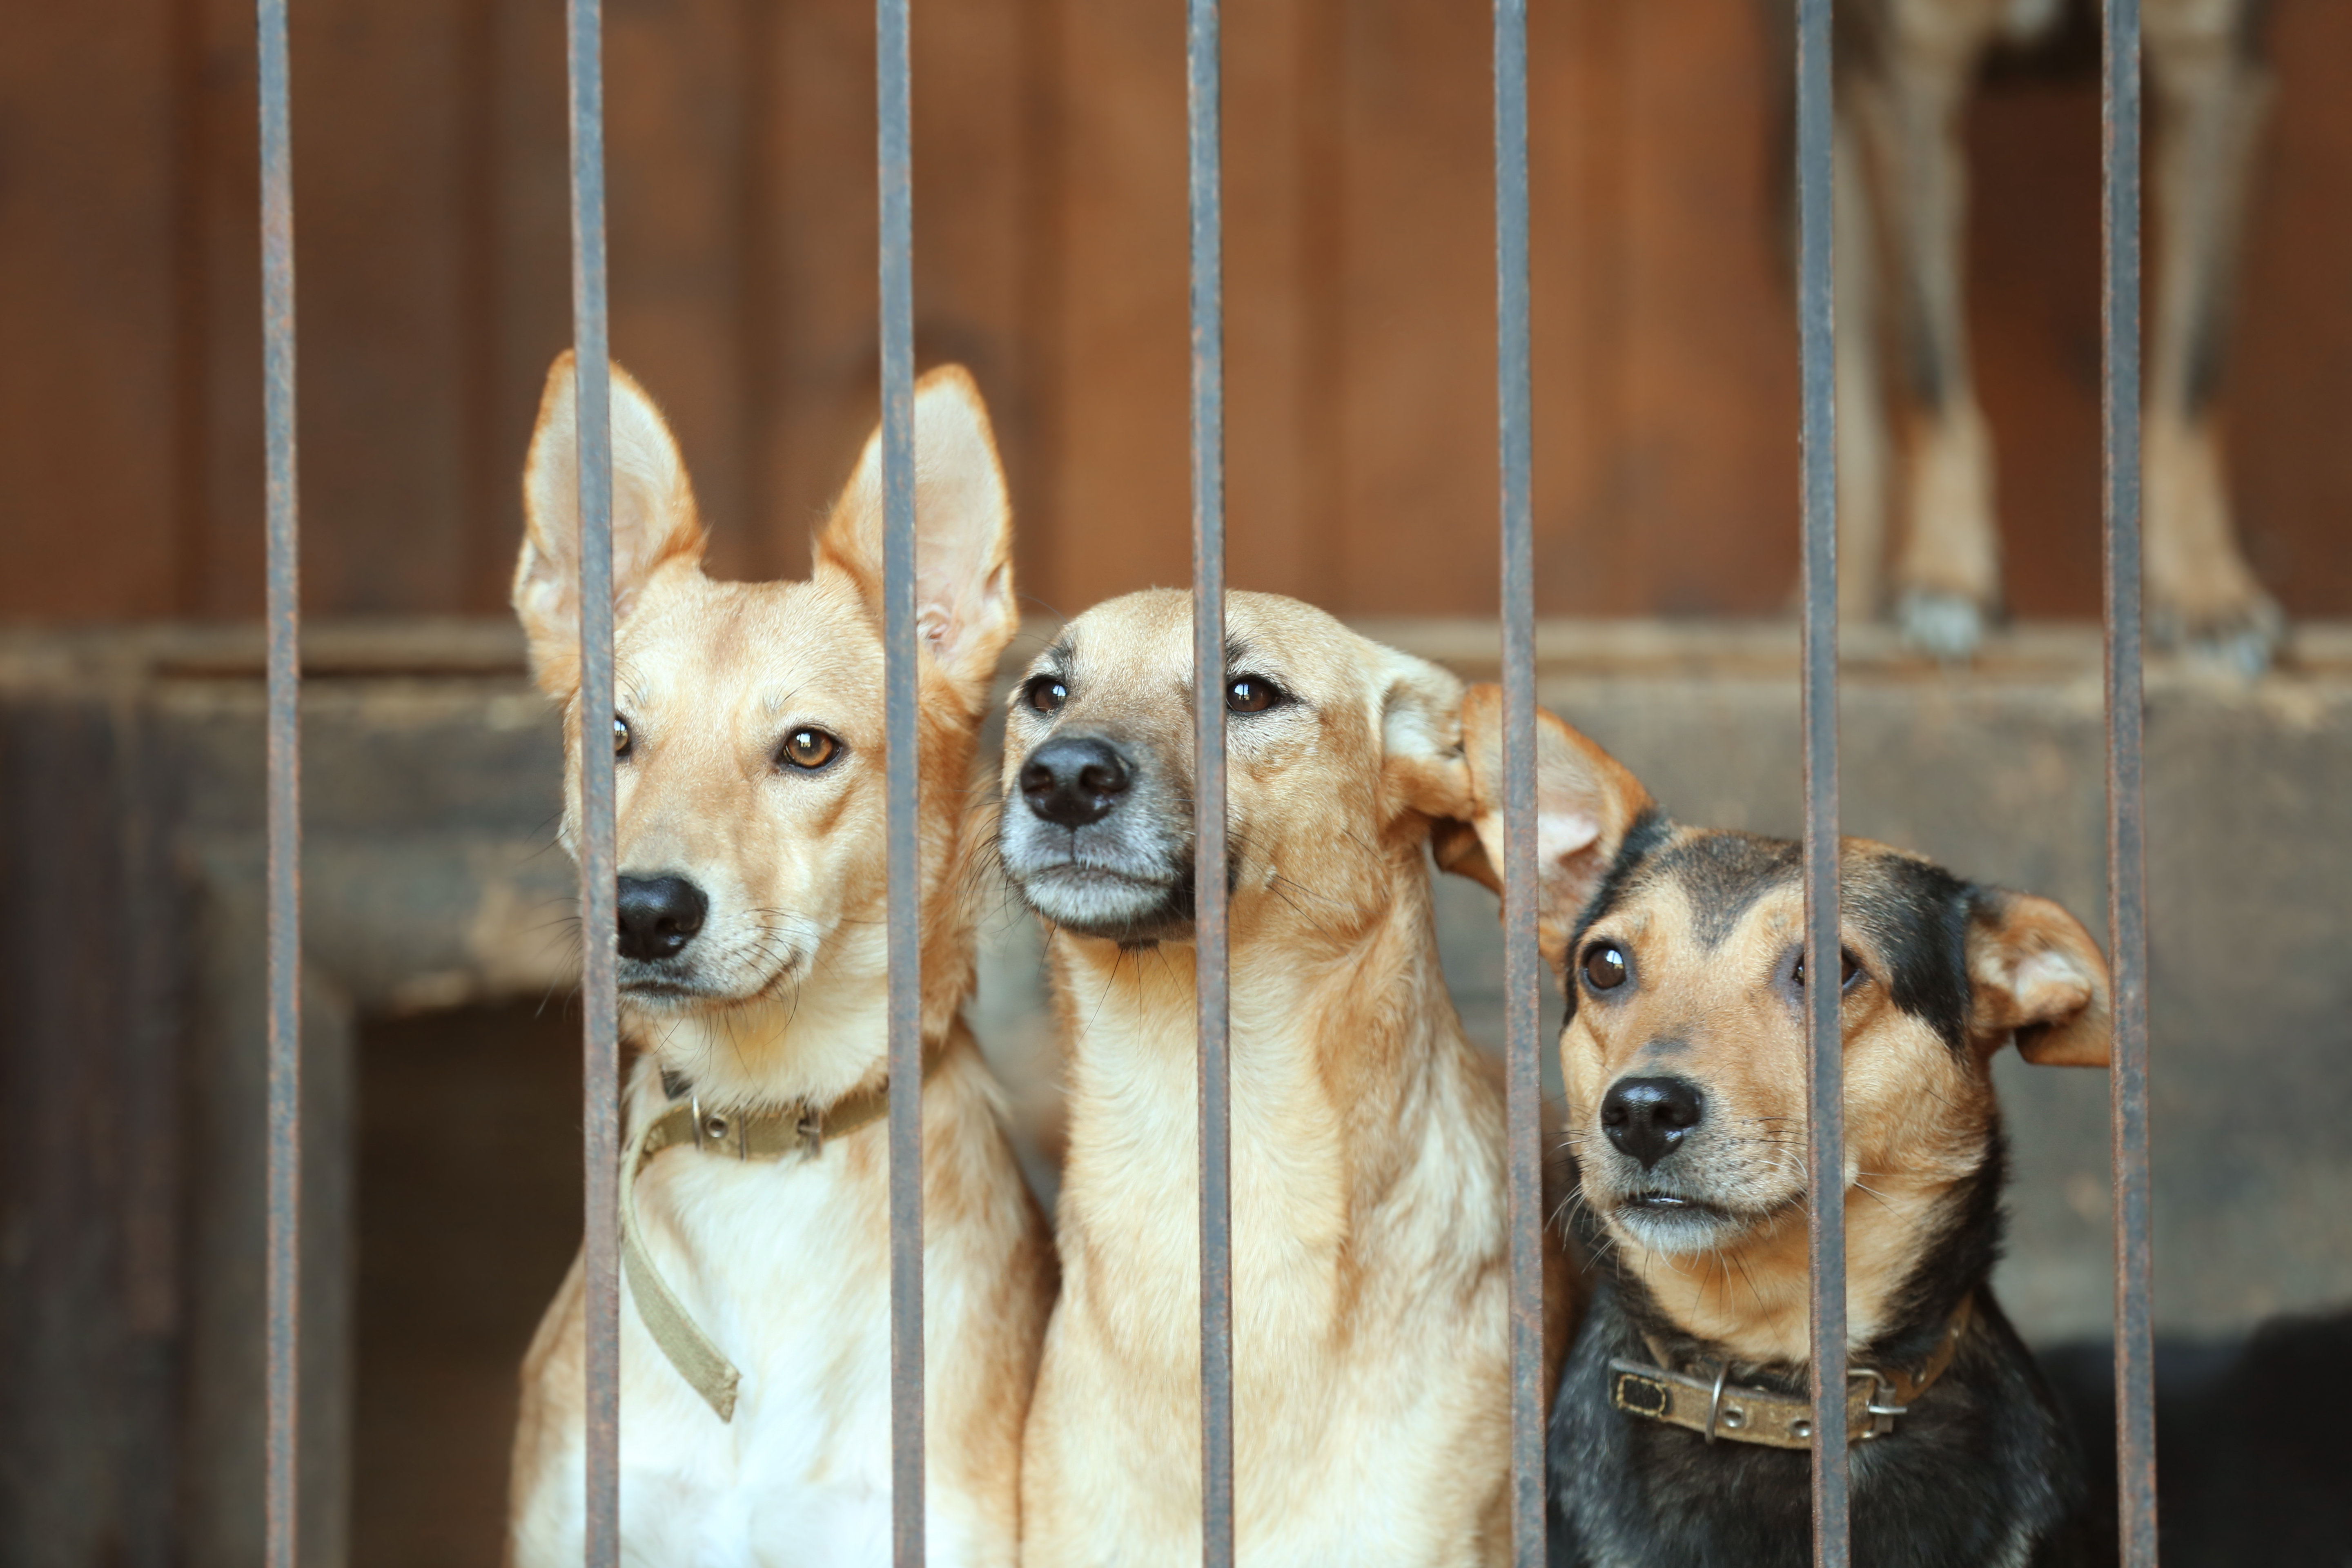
(1205, 117)
(599, 855)
(2126, 868)
(894, 136)
(283, 1271)
(1826, 1043)
(1523, 964)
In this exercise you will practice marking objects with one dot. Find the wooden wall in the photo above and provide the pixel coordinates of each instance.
(1049, 233)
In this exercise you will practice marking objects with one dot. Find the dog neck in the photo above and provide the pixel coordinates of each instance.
(1341, 1032)
(1917, 1240)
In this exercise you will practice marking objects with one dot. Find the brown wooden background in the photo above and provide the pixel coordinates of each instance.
(1050, 257)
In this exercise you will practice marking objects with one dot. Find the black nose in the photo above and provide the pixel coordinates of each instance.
(1646, 1117)
(659, 915)
(1073, 780)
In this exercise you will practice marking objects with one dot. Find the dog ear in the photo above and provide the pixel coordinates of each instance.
(1586, 802)
(2036, 973)
(654, 518)
(963, 533)
(1419, 722)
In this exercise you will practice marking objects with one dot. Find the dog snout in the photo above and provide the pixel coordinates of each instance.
(659, 915)
(1647, 1118)
(1073, 780)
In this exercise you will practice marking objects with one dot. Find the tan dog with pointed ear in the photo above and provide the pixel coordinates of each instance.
(1675, 1440)
(1370, 1259)
(752, 974)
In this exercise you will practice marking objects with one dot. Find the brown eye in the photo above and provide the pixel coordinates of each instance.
(1046, 694)
(1251, 694)
(808, 749)
(1848, 969)
(1604, 966)
(620, 736)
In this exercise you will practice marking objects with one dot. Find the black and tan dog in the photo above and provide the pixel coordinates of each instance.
(1678, 1436)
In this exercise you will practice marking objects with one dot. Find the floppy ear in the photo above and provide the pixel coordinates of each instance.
(1419, 722)
(2035, 972)
(963, 531)
(654, 518)
(1586, 802)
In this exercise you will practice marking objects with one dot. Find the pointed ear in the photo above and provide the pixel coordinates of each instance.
(654, 518)
(2034, 973)
(1586, 802)
(963, 531)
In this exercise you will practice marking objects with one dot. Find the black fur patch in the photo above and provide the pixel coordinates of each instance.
(1917, 915)
(1724, 874)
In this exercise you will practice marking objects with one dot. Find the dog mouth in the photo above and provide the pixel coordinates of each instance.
(1110, 902)
(1679, 1222)
(668, 986)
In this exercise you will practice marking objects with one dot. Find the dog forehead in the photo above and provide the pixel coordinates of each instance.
(1145, 639)
(777, 650)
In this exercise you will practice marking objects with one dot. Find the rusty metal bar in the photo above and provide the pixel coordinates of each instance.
(1824, 967)
(893, 163)
(599, 919)
(282, 1271)
(1204, 125)
(1523, 966)
(2127, 867)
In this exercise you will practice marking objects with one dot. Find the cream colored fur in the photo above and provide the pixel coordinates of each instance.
(1371, 1261)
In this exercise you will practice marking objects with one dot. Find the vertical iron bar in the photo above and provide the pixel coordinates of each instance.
(600, 1042)
(894, 132)
(1825, 1068)
(283, 1268)
(2127, 871)
(1523, 970)
(1205, 117)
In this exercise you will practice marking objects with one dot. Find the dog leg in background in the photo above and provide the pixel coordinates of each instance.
(1916, 63)
(2210, 90)
(1862, 438)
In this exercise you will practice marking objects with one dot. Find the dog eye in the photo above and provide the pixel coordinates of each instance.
(808, 749)
(1848, 969)
(1253, 694)
(620, 736)
(1046, 694)
(1604, 966)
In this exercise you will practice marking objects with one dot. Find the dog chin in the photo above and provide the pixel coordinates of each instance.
(1096, 902)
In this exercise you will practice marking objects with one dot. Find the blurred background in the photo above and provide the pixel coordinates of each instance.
(442, 1087)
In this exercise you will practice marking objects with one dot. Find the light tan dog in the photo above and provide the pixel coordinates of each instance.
(753, 976)
(1371, 1257)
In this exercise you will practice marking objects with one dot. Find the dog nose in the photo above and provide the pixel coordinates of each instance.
(1646, 1117)
(1073, 780)
(659, 915)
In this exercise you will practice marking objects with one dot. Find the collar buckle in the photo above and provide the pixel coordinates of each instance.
(716, 1133)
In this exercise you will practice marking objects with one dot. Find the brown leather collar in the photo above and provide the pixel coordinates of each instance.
(1708, 1404)
(766, 1134)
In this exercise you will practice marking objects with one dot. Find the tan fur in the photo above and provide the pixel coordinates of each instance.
(785, 1263)
(1918, 1114)
(1371, 1262)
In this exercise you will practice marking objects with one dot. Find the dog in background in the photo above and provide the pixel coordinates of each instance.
(1904, 70)
(1683, 1416)
(753, 974)
(1372, 1261)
